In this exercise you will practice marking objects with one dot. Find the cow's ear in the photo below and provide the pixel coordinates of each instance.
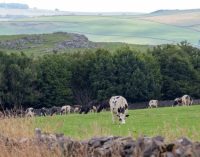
(127, 115)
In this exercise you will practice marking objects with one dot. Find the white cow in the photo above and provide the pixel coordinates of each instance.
(118, 108)
(65, 109)
(29, 112)
(153, 103)
(186, 100)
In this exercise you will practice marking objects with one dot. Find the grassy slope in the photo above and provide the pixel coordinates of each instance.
(130, 29)
(169, 122)
(179, 18)
(166, 121)
(50, 40)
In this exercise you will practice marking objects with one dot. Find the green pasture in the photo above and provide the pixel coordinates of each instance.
(45, 44)
(129, 29)
(171, 122)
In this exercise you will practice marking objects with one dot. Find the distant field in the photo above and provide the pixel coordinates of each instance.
(129, 29)
(169, 122)
(41, 44)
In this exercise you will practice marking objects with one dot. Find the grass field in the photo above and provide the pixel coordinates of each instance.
(45, 43)
(129, 29)
(169, 122)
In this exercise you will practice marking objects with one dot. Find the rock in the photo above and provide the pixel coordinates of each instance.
(104, 146)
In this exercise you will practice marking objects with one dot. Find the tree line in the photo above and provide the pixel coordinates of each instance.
(164, 72)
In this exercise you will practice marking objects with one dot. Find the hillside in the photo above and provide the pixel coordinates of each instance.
(40, 44)
(159, 27)
(182, 18)
(129, 29)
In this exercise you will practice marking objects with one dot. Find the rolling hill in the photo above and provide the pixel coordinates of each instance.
(40, 44)
(155, 28)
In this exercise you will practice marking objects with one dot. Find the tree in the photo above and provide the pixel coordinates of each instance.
(54, 77)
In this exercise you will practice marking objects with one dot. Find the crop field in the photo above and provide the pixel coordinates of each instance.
(129, 29)
(171, 122)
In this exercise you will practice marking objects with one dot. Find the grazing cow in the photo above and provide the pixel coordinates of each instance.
(65, 109)
(153, 103)
(29, 112)
(93, 109)
(77, 108)
(118, 108)
(44, 111)
(186, 100)
(177, 101)
(40, 112)
(103, 106)
(84, 109)
(54, 110)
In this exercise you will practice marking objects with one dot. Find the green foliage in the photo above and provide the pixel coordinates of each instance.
(165, 72)
(54, 77)
(180, 75)
(17, 78)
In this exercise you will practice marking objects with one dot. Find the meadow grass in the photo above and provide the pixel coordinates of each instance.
(171, 122)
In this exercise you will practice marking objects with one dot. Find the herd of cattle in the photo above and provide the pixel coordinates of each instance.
(185, 100)
(117, 104)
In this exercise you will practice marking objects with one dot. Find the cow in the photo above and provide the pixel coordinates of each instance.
(29, 112)
(177, 101)
(104, 105)
(77, 108)
(93, 109)
(153, 103)
(186, 100)
(85, 109)
(54, 110)
(41, 112)
(118, 108)
(65, 109)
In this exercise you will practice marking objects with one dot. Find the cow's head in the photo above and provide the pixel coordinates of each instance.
(177, 101)
(121, 114)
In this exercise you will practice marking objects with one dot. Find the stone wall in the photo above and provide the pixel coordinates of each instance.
(112, 146)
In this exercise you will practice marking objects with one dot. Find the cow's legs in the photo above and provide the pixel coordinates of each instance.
(114, 117)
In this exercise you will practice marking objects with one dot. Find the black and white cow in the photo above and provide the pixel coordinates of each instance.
(77, 108)
(177, 101)
(29, 112)
(104, 105)
(118, 108)
(153, 103)
(54, 110)
(41, 112)
(186, 100)
(65, 109)
(85, 109)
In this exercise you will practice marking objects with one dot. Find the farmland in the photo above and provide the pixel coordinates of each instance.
(41, 44)
(144, 29)
(171, 122)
